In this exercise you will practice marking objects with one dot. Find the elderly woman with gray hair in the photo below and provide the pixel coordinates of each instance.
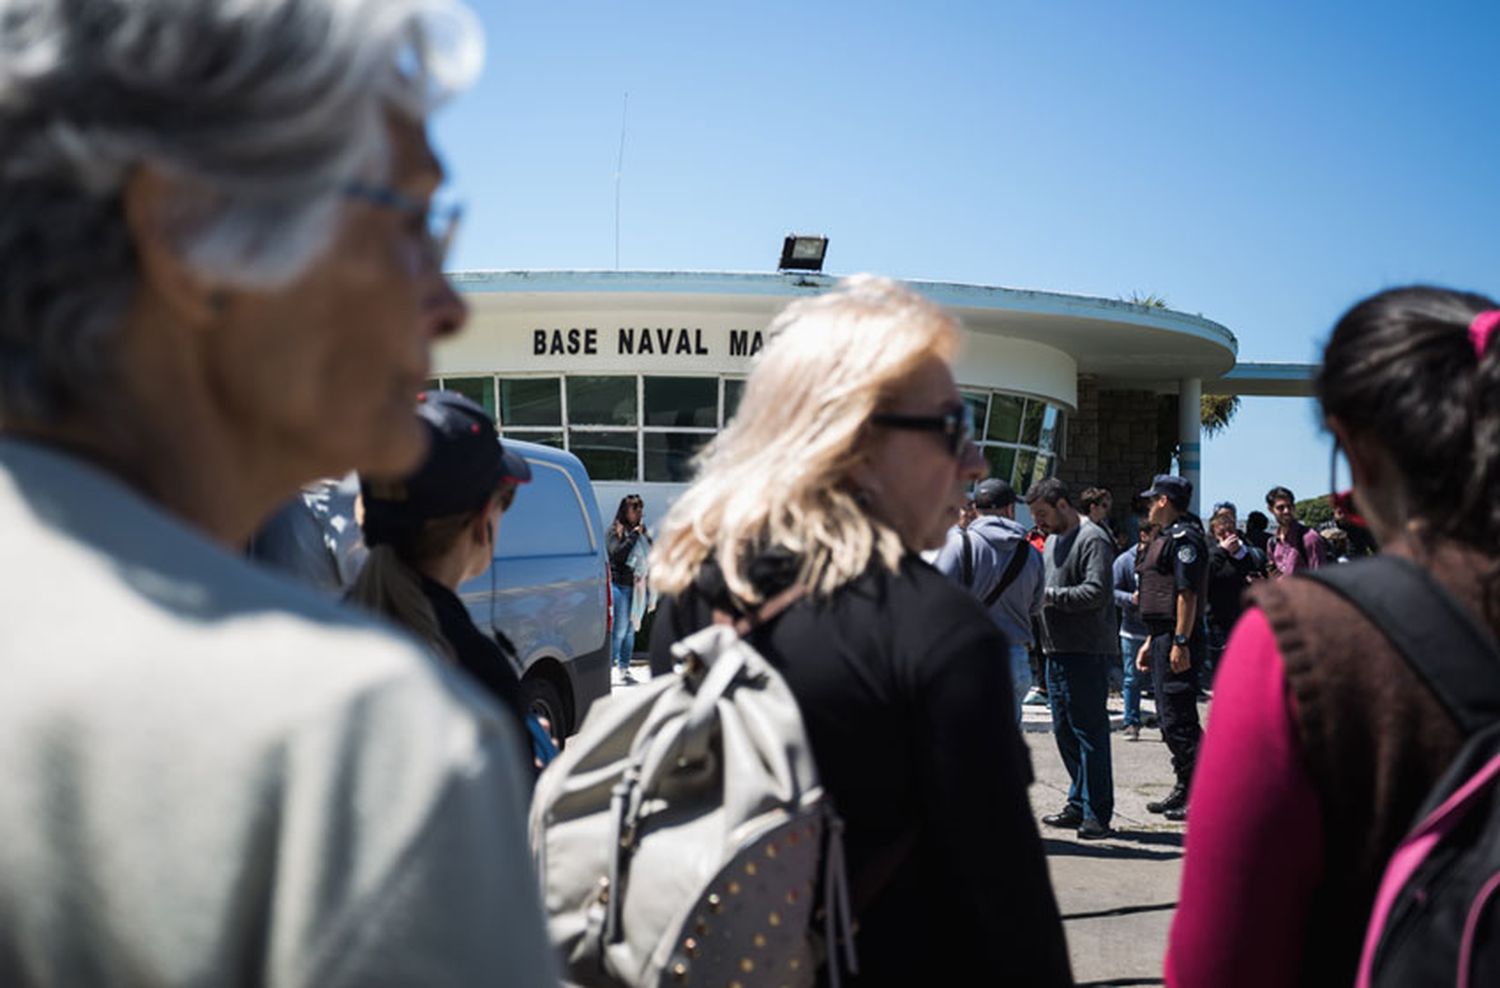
(220, 278)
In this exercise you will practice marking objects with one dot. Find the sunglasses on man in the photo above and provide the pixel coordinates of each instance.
(955, 425)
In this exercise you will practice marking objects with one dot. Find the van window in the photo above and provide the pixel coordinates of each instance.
(547, 518)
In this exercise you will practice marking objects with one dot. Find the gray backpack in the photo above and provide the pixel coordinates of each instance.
(682, 835)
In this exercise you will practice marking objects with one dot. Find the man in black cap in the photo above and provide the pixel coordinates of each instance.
(1173, 580)
(992, 559)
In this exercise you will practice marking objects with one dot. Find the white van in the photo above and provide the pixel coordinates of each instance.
(547, 589)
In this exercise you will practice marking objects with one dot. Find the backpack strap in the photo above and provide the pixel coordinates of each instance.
(1437, 636)
(768, 611)
(1012, 571)
(966, 561)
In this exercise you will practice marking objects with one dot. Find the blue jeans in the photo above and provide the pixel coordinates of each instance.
(622, 639)
(1132, 689)
(1020, 675)
(1078, 691)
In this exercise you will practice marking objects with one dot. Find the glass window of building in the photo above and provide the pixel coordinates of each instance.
(734, 389)
(1051, 430)
(602, 401)
(480, 390)
(553, 439)
(1025, 471)
(681, 402)
(530, 402)
(979, 403)
(649, 428)
(1031, 422)
(669, 455)
(606, 455)
(1002, 461)
(1005, 418)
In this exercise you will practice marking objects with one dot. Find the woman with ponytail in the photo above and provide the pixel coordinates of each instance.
(1324, 741)
(432, 530)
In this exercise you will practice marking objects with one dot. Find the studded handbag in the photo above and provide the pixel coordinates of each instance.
(683, 838)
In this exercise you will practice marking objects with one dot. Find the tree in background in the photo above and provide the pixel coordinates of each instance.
(1216, 412)
(1314, 512)
(1150, 300)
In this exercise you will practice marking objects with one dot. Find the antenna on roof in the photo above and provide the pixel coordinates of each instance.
(619, 172)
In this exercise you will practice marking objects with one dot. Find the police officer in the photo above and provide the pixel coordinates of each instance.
(1173, 577)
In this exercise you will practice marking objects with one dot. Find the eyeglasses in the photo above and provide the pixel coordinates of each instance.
(955, 424)
(435, 223)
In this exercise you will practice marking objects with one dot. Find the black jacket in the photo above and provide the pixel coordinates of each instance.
(480, 656)
(902, 681)
(1227, 579)
(618, 547)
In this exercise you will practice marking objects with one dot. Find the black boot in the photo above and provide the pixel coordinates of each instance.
(1175, 800)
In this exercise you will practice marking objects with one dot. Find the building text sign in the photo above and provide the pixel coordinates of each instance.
(645, 341)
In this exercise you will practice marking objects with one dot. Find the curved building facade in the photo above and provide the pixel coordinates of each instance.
(635, 371)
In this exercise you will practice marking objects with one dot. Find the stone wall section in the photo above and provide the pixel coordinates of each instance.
(1114, 442)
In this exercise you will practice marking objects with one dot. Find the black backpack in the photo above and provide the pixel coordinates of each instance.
(1436, 919)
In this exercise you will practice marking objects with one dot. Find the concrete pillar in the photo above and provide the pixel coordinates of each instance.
(1190, 435)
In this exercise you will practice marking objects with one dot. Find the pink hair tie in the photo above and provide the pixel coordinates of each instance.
(1482, 328)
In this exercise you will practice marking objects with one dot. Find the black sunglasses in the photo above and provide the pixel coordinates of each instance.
(956, 425)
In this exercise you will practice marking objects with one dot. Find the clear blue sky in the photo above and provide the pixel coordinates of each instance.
(1265, 164)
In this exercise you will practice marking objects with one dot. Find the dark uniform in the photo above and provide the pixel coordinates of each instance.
(1176, 560)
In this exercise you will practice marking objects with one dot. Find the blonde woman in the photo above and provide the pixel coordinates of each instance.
(849, 453)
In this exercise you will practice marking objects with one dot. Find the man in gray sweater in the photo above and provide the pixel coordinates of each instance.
(1078, 640)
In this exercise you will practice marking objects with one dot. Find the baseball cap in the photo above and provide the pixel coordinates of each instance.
(1177, 490)
(466, 463)
(994, 493)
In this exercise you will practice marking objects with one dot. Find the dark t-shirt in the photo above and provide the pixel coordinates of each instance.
(905, 691)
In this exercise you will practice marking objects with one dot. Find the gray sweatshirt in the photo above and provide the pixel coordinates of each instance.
(1078, 615)
(994, 538)
(215, 776)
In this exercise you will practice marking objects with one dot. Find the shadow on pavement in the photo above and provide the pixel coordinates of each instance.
(1154, 907)
(1116, 850)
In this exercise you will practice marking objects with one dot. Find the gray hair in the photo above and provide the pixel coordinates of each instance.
(264, 110)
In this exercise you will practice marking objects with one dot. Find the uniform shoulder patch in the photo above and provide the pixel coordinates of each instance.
(1186, 553)
(1179, 533)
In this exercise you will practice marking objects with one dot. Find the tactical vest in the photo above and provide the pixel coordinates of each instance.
(1158, 582)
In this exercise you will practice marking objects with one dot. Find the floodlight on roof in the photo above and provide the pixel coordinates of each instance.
(799, 253)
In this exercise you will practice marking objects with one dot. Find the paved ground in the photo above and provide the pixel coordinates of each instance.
(1116, 895)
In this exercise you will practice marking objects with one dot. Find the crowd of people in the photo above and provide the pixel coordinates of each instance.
(1090, 611)
(221, 274)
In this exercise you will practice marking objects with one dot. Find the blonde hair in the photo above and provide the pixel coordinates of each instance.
(779, 474)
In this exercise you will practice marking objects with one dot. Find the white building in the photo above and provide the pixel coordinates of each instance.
(634, 371)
